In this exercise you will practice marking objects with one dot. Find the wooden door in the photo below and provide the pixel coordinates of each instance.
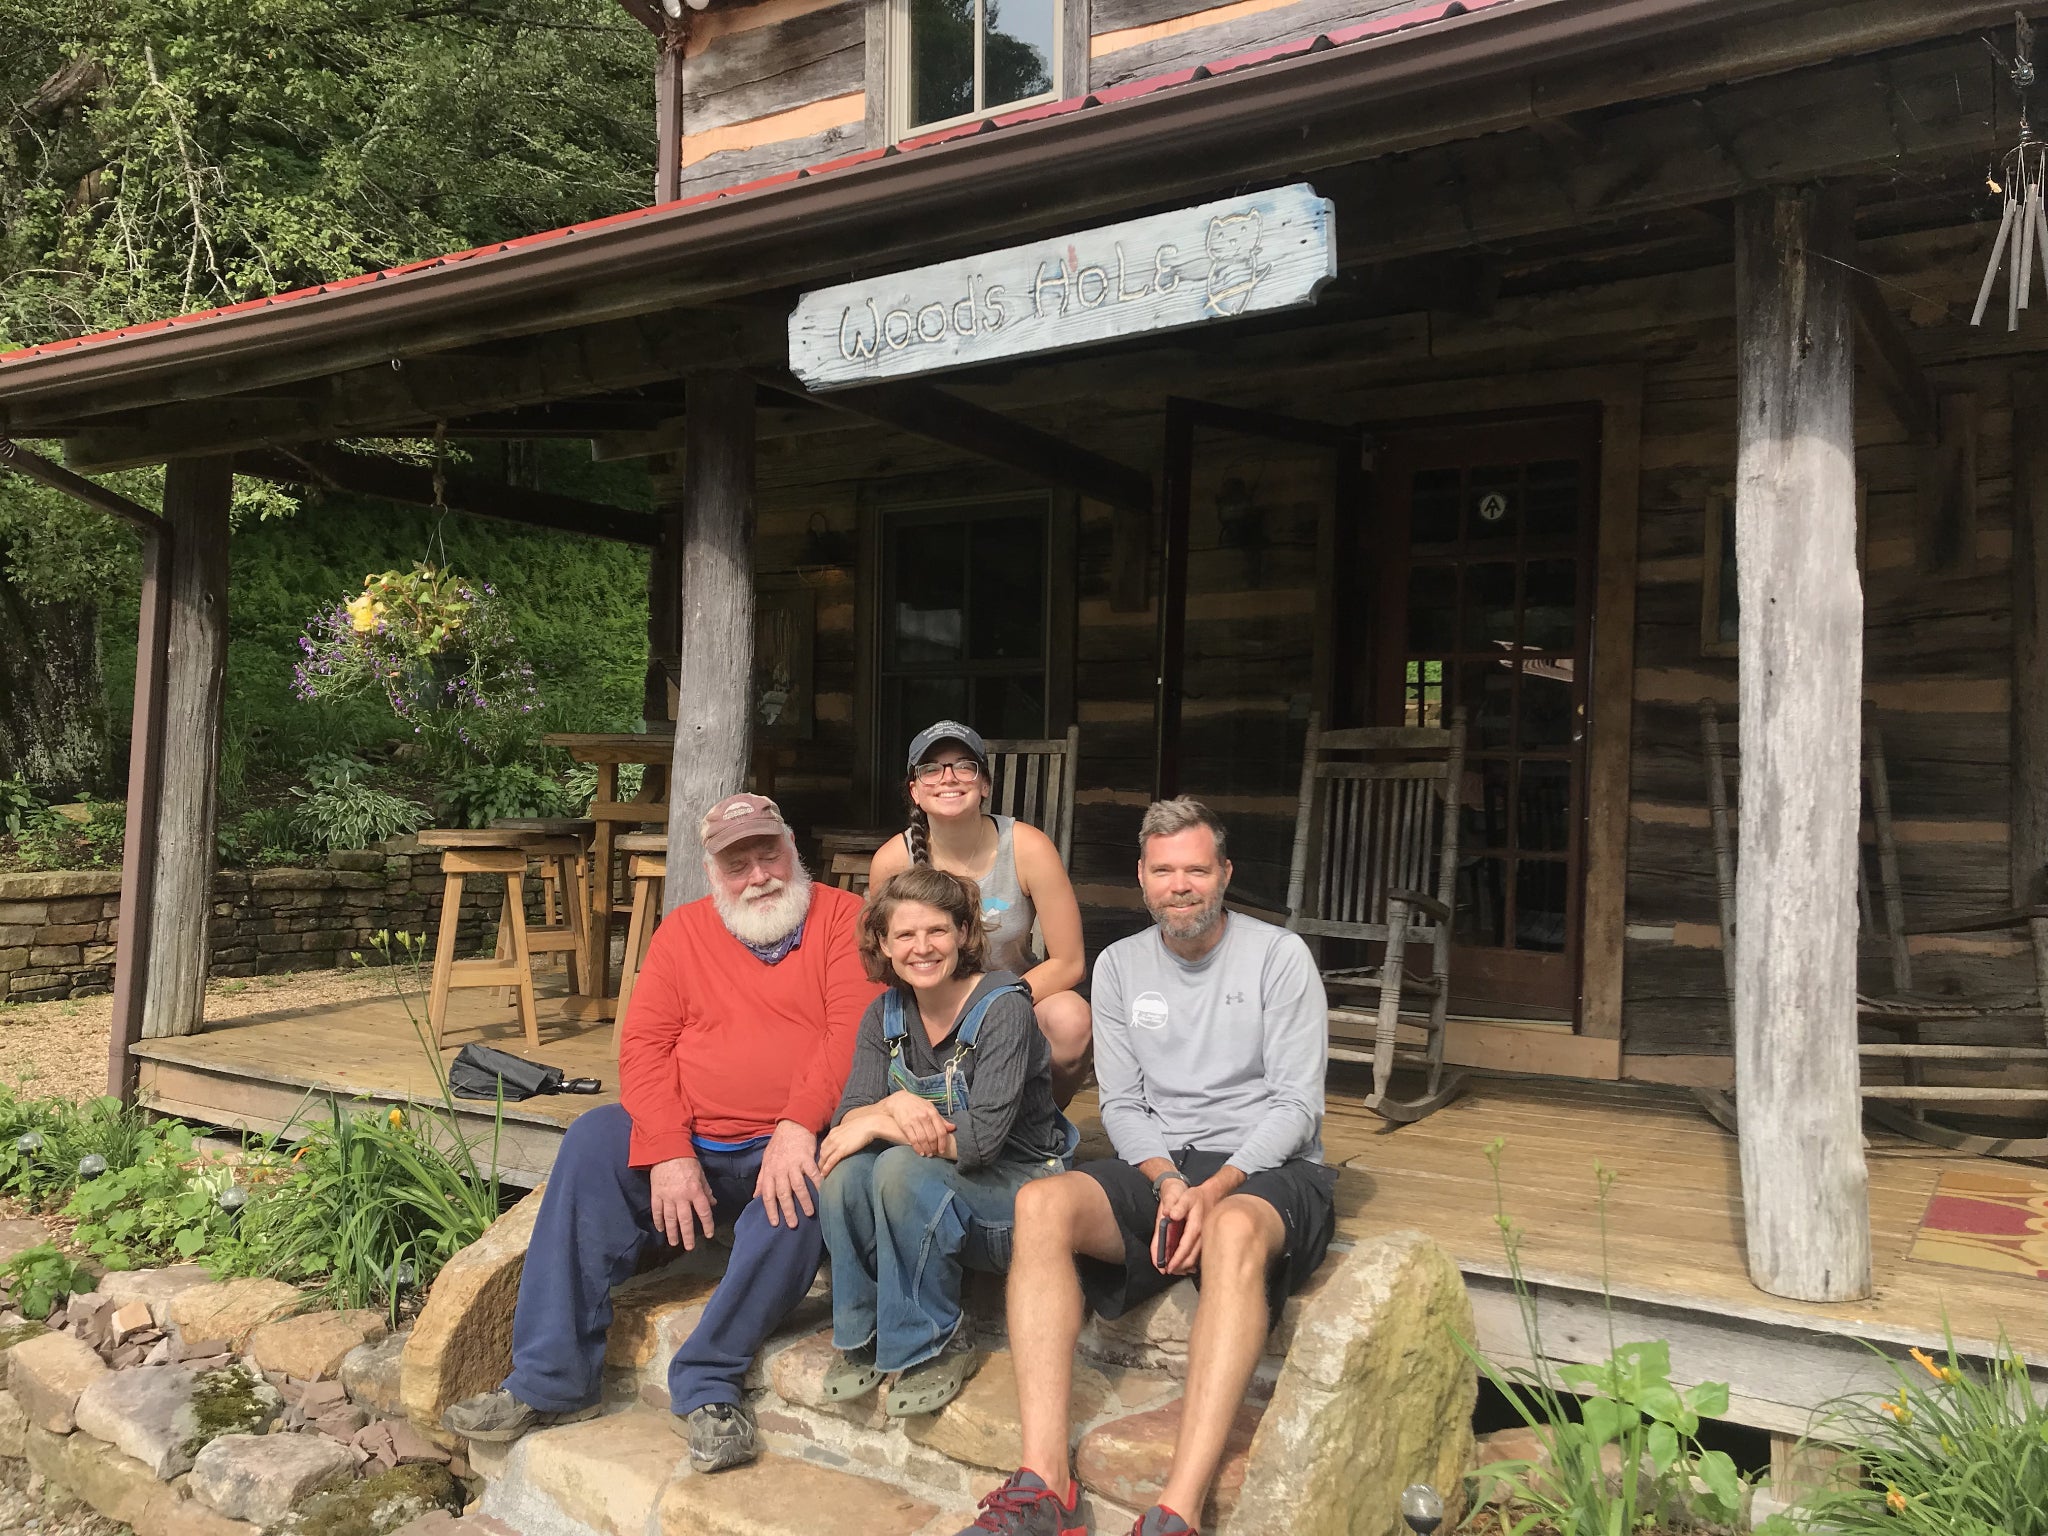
(1484, 543)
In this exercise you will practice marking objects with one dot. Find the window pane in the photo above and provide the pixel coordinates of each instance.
(1550, 504)
(909, 704)
(1432, 607)
(1486, 689)
(1539, 904)
(928, 614)
(1550, 612)
(1493, 506)
(1489, 606)
(1009, 706)
(1486, 811)
(1433, 507)
(1008, 605)
(1544, 816)
(1482, 916)
(1424, 694)
(1547, 707)
(1016, 58)
(941, 60)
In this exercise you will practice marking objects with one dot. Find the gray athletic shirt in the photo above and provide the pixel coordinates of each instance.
(1227, 1054)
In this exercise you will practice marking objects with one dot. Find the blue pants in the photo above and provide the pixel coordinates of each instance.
(596, 1223)
(901, 1229)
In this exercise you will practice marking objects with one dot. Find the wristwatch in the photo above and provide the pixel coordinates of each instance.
(1160, 1183)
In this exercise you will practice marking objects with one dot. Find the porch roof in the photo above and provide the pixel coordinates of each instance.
(1440, 72)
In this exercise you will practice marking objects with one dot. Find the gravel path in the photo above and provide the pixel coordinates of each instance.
(25, 1511)
(60, 1049)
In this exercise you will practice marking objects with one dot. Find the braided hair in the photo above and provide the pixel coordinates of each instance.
(917, 837)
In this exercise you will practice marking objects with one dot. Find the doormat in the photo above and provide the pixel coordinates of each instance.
(1987, 1220)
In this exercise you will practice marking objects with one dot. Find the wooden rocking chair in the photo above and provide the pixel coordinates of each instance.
(1376, 827)
(1034, 782)
(1905, 1106)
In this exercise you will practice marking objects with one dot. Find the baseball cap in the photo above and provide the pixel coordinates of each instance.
(946, 730)
(738, 817)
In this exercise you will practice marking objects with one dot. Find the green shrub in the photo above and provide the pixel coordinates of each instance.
(267, 835)
(18, 803)
(39, 1279)
(347, 813)
(1958, 1451)
(161, 1206)
(484, 793)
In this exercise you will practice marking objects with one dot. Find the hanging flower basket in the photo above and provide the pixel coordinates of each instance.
(439, 650)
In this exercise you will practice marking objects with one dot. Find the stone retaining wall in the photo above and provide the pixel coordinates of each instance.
(57, 928)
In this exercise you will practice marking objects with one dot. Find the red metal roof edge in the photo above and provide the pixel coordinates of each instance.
(1379, 26)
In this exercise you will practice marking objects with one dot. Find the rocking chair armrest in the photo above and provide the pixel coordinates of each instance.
(1423, 903)
(1982, 922)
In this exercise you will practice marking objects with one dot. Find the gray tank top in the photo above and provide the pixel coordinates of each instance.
(1006, 912)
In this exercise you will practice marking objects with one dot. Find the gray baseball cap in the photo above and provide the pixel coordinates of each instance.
(947, 730)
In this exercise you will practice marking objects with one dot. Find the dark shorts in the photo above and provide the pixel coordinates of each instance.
(1301, 1191)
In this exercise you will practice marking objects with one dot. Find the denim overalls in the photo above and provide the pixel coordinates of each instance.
(901, 1228)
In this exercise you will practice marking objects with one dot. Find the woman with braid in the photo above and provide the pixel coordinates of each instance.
(1023, 886)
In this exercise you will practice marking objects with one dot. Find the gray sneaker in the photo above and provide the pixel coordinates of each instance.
(721, 1435)
(494, 1418)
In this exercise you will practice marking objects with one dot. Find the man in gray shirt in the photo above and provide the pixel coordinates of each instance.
(1211, 1039)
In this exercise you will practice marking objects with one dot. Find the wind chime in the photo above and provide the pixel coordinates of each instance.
(2023, 231)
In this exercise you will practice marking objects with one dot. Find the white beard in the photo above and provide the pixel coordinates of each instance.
(765, 914)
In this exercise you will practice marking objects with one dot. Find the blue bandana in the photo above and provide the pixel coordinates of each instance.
(770, 953)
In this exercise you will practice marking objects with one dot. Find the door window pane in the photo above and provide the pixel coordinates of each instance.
(964, 622)
(1548, 707)
(1433, 508)
(1482, 915)
(1550, 611)
(1493, 511)
(1490, 606)
(1550, 502)
(1539, 904)
(1487, 690)
(1432, 607)
(1543, 813)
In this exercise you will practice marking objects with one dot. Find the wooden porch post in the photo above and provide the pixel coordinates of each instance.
(717, 629)
(196, 497)
(2029, 847)
(145, 797)
(1804, 1186)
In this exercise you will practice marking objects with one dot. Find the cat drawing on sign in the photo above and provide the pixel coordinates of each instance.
(1234, 267)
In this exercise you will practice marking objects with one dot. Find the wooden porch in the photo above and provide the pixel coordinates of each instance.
(1673, 1241)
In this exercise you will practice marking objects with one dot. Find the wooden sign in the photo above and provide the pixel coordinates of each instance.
(1242, 256)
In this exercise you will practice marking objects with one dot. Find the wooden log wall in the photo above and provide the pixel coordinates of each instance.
(1937, 640)
(783, 84)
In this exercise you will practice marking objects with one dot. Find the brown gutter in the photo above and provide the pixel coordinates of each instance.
(990, 184)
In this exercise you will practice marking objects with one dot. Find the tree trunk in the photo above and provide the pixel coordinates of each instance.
(1804, 1185)
(196, 497)
(717, 630)
(53, 712)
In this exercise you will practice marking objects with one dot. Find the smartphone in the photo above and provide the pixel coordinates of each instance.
(1166, 1242)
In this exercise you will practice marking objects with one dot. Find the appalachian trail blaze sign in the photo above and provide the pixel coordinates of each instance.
(1242, 256)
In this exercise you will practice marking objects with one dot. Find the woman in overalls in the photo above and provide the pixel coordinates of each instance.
(948, 1111)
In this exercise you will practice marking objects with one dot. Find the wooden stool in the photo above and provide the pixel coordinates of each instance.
(489, 851)
(565, 867)
(564, 885)
(647, 868)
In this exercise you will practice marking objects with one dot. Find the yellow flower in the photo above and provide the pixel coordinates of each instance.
(1894, 1500)
(1938, 1372)
(1899, 1410)
(396, 1117)
(362, 614)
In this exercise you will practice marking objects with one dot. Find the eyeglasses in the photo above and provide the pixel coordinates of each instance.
(959, 768)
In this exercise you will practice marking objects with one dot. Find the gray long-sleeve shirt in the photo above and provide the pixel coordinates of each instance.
(1010, 1113)
(1227, 1054)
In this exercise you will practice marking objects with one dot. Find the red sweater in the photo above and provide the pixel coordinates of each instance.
(721, 1044)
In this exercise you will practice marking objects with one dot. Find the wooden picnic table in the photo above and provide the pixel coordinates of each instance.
(606, 751)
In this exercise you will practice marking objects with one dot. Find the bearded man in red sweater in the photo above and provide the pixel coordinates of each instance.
(731, 1062)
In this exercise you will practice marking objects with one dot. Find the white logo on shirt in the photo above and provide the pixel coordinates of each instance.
(1148, 1011)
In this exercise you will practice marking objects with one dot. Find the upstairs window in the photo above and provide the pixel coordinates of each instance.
(963, 59)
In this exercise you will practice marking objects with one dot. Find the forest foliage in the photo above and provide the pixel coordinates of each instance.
(158, 156)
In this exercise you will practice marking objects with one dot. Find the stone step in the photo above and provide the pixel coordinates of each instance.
(628, 1474)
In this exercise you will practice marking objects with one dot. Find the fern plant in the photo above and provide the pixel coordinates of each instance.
(488, 792)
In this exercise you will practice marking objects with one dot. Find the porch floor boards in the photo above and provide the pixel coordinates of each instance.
(1673, 1214)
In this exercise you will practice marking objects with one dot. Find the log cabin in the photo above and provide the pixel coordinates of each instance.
(1642, 372)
